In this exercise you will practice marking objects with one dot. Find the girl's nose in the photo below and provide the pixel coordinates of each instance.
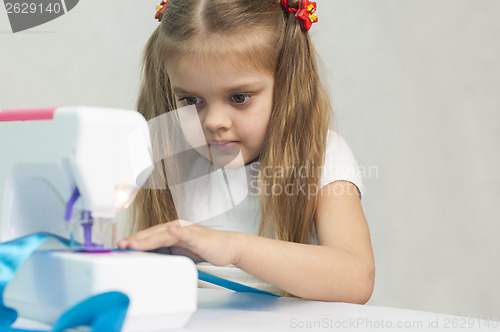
(214, 118)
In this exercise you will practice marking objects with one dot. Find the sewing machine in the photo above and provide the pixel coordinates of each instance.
(69, 171)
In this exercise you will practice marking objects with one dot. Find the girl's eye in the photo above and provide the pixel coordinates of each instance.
(190, 100)
(240, 99)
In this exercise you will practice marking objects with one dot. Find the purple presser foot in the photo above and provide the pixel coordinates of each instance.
(88, 246)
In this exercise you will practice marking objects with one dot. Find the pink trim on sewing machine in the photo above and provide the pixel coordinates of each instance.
(27, 114)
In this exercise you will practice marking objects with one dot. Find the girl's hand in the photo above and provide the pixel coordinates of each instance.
(215, 247)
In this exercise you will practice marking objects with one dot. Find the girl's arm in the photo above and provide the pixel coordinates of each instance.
(340, 268)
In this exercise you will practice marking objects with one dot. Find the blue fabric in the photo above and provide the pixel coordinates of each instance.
(103, 313)
(229, 284)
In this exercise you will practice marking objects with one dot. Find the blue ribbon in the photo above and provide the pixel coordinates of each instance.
(103, 313)
(210, 278)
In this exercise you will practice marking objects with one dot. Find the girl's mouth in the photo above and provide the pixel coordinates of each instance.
(224, 146)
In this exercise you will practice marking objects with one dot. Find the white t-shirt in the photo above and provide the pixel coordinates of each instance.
(244, 214)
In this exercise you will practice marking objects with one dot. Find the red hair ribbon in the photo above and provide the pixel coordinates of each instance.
(306, 13)
(160, 9)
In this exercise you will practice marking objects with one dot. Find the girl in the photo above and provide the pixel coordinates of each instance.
(248, 69)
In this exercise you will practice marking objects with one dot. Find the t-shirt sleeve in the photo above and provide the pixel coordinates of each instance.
(340, 164)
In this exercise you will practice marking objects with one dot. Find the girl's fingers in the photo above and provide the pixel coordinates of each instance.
(163, 235)
(153, 241)
(126, 242)
(197, 242)
(147, 232)
(144, 234)
(209, 245)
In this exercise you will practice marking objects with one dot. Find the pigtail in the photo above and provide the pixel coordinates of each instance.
(296, 138)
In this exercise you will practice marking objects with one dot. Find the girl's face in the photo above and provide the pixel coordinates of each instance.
(234, 103)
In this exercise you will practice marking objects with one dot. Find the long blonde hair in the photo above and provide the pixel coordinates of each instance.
(269, 39)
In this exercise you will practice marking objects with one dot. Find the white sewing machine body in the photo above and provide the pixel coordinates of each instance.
(162, 288)
(102, 152)
(67, 168)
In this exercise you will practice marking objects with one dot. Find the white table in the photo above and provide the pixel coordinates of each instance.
(221, 310)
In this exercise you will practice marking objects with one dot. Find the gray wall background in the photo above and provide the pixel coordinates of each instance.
(415, 85)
